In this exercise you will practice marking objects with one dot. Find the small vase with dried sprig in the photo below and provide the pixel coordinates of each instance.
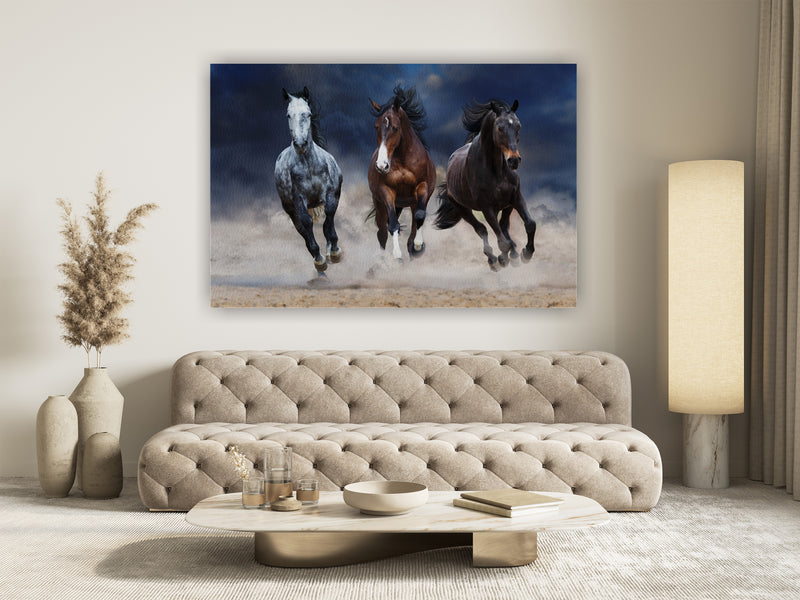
(254, 493)
(97, 267)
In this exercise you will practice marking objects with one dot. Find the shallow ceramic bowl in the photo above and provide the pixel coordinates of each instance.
(385, 497)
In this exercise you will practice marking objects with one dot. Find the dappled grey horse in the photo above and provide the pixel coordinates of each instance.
(308, 180)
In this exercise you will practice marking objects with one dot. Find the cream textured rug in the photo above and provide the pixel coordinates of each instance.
(743, 542)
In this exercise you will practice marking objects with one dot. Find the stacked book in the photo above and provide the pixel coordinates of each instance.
(508, 502)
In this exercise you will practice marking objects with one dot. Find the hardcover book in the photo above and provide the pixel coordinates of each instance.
(510, 498)
(504, 512)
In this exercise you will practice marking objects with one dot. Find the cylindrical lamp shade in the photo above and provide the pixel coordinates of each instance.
(706, 287)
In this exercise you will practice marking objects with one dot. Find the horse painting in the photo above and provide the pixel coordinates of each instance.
(482, 176)
(401, 173)
(308, 180)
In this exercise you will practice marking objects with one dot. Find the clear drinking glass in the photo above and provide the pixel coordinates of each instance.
(308, 491)
(254, 493)
(278, 471)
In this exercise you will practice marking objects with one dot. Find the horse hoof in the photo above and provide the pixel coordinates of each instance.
(502, 260)
(526, 255)
(494, 265)
(336, 256)
(515, 261)
(321, 266)
(415, 252)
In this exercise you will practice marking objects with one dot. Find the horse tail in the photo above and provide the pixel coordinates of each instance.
(370, 215)
(447, 214)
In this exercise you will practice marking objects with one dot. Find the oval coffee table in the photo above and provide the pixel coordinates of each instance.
(333, 533)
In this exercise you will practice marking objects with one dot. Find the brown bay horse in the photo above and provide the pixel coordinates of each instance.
(401, 172)
(482, 176)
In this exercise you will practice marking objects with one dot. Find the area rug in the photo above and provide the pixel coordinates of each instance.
(742, 542)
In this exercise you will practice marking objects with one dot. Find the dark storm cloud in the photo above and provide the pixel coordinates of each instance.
(248, 118)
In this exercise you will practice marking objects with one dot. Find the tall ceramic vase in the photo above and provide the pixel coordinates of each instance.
(56, 445)
(99, 406)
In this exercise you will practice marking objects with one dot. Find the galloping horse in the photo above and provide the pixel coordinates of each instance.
(308, 179)
(401, 172)
(482, 176)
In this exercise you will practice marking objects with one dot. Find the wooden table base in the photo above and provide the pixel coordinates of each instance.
(322, 549)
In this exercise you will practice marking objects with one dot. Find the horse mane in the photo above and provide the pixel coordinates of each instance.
(412, 105)
(316, 129)
(475, 112)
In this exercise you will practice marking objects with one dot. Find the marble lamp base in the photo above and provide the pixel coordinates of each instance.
(705, 451)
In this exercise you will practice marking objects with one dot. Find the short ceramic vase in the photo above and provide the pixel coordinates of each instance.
(102, 467)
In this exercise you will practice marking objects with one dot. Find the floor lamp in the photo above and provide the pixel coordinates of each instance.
(706, 311)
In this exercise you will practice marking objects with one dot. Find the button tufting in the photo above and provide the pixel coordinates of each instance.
(314, 466)
(198, 466)
(225, 489)
(169, 489)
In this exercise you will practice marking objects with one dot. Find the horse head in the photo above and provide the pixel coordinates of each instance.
(389, 131)
(505, 132)
(298, 112)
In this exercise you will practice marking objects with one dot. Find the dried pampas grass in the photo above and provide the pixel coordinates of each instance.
(95, 271)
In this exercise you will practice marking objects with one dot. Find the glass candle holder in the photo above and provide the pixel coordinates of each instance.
(278, 471)
(254, 493)
(308, 491)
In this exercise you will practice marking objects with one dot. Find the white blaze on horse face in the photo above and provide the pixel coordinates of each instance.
(382, 162)
(299, 116)
(396, 243)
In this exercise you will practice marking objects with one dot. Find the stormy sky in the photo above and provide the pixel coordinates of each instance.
(249, 129)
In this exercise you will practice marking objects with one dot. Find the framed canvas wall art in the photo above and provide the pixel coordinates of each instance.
(393, 185)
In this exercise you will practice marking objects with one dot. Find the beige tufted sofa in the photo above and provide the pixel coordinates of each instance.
(555, 421)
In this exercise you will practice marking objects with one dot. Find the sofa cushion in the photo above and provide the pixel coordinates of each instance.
(614, 464)
(401, 387)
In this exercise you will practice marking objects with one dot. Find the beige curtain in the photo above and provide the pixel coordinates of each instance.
(775, 370)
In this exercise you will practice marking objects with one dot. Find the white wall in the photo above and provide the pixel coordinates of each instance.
(124, 88)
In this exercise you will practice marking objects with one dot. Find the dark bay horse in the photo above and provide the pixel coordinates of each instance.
(482, 176)
(308, 180)
(401, 172)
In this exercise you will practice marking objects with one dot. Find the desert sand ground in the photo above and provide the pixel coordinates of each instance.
(401, 297)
